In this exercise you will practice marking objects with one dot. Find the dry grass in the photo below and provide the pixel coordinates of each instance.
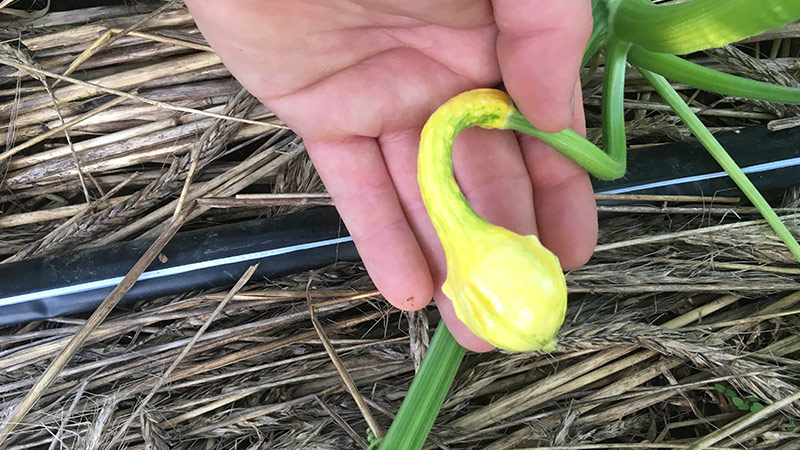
(678, 296)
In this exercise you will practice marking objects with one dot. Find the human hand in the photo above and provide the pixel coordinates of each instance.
(358, 79)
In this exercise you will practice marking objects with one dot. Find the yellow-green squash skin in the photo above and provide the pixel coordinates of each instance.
(507, 288)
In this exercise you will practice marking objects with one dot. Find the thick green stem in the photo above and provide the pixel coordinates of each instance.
(681, 28)
(427, 392)
(612, 109)
(716, 150)
(683, 71)
(573, 146)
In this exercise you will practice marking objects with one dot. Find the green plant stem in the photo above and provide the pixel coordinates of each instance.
(612, 108)
(573, 146)
(683, 71)
(716, 150)
(605, 165)
(415, 418)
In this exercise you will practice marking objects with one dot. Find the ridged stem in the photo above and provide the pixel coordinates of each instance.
(426, 395)
(683, 71)
(605, 165)
(573, 146)
(612, 108)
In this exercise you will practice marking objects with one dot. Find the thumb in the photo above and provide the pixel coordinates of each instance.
(539, 47)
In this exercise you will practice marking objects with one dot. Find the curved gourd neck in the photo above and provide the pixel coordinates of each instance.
(449, 210)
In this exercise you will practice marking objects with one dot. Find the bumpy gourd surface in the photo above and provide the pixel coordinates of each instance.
(507, 288)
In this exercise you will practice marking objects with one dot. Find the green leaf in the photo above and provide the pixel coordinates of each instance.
(686, 27)
(789, 429)
(741, 404)
(796, 422)
(720, 387)
(730, 393)
(756, 407)
(751, 399)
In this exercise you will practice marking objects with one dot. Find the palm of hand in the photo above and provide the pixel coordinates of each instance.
(358, 80)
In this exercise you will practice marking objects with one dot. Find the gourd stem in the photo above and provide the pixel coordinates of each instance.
(426, 395)
(683, 71)
(612, 109)
(573, 146)
(716, 150)
(603, 165)
(681, 28)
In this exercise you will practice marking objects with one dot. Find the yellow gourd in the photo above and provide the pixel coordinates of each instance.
(507, 288)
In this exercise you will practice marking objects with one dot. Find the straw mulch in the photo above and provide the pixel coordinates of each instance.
(679, 296)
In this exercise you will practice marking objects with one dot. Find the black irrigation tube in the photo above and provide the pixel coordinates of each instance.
(73, 282)
(771, 159)
(67, 283)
